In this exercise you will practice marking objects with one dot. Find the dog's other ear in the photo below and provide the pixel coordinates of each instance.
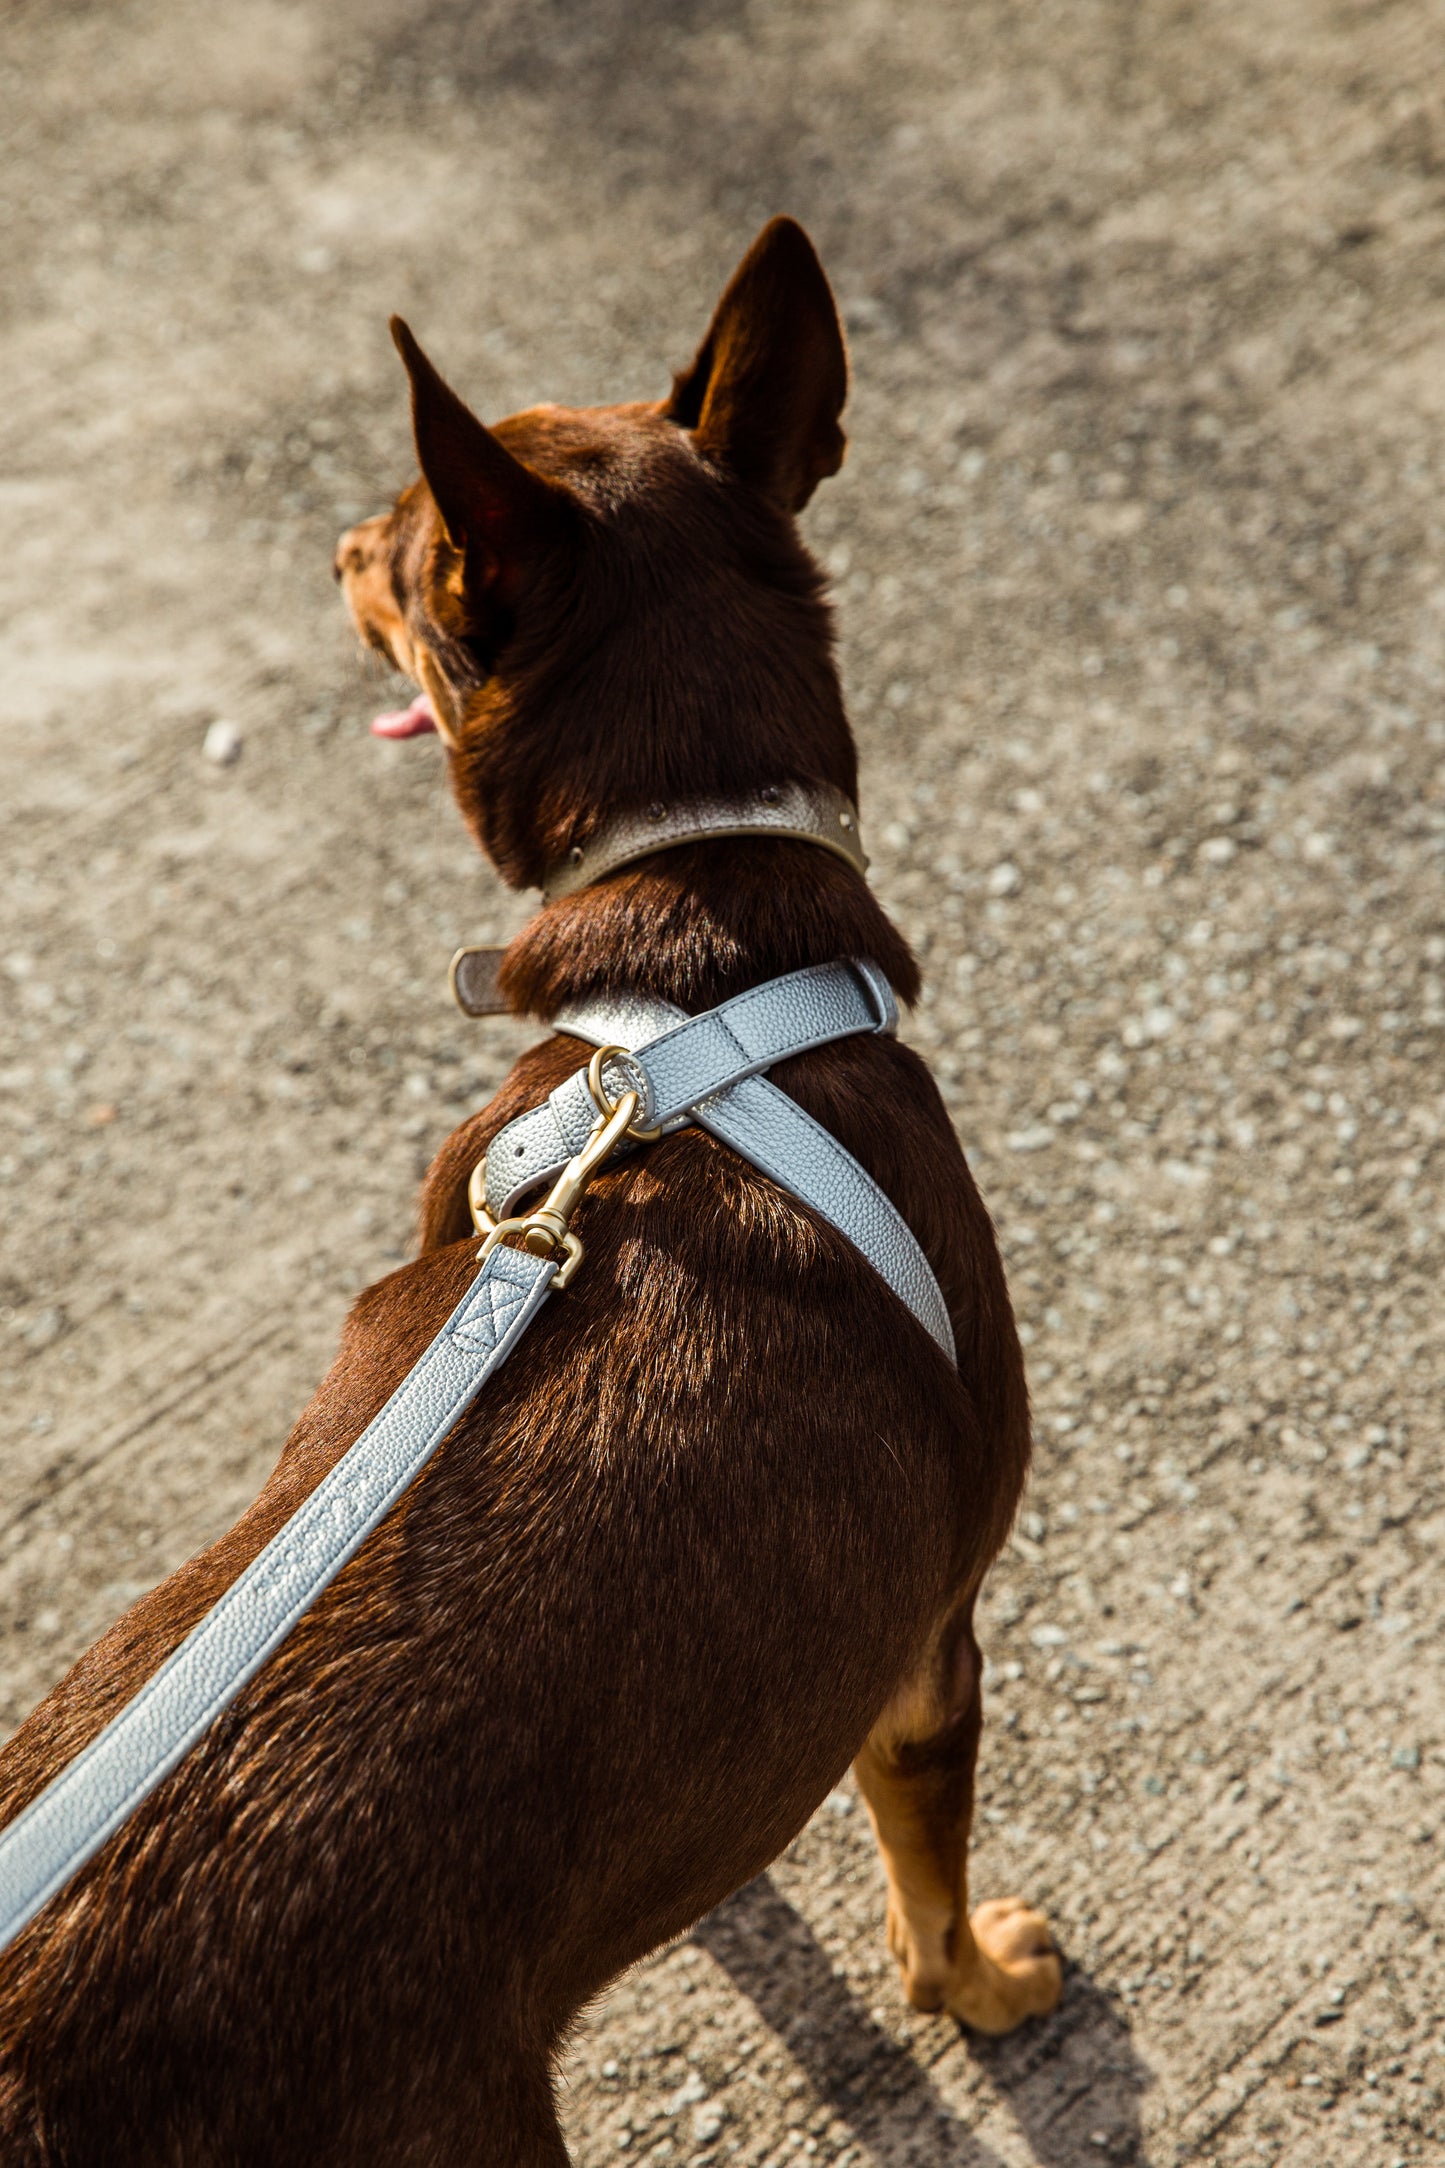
(764, 394)
(499, 513)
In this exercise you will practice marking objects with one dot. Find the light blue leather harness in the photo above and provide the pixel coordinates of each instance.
(655, 1071)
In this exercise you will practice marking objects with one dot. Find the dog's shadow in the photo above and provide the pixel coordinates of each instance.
(1073, 2082)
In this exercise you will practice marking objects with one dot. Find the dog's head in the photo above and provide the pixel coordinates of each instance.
(606, 606)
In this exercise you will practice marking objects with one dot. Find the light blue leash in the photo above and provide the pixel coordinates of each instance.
(668, 1069)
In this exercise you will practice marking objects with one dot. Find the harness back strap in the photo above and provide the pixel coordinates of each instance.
(680, 1058)
(687, 1058)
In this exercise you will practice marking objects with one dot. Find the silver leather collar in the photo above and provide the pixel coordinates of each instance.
(810, 812)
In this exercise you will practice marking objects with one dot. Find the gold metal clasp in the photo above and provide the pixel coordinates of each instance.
(548, 1227)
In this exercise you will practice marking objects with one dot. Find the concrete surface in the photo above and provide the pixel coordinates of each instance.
(1141, 568)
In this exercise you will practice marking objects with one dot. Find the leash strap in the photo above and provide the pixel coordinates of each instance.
(95, 1793)
(759, 1121)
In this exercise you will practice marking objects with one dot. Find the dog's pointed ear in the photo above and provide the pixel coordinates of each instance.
(764, 393)
(499, 513)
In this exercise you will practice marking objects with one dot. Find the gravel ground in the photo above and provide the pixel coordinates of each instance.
(1141, 571)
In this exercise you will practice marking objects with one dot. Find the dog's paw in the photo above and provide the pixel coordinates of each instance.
(1016, 1972)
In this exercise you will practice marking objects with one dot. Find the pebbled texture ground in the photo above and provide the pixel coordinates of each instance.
(1141, 565)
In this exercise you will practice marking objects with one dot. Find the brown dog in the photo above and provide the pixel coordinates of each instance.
(717, 1528)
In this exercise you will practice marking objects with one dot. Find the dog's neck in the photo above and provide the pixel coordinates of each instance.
(701, 922)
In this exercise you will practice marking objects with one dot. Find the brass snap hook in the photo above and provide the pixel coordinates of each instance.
(548, 1228)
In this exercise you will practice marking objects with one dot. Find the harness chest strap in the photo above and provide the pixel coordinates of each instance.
(95, 1794)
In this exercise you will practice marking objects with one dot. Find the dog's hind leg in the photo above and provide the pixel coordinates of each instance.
(916, 1773)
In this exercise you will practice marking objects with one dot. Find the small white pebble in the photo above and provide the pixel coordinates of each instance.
(222, 744)
(1037, 1139)
(1005, 880)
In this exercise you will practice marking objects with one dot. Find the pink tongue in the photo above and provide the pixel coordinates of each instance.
(412, 722)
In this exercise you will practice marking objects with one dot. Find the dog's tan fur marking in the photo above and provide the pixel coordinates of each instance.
(916, 1775)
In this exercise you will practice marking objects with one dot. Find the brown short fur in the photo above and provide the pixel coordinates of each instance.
(717, 1528)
